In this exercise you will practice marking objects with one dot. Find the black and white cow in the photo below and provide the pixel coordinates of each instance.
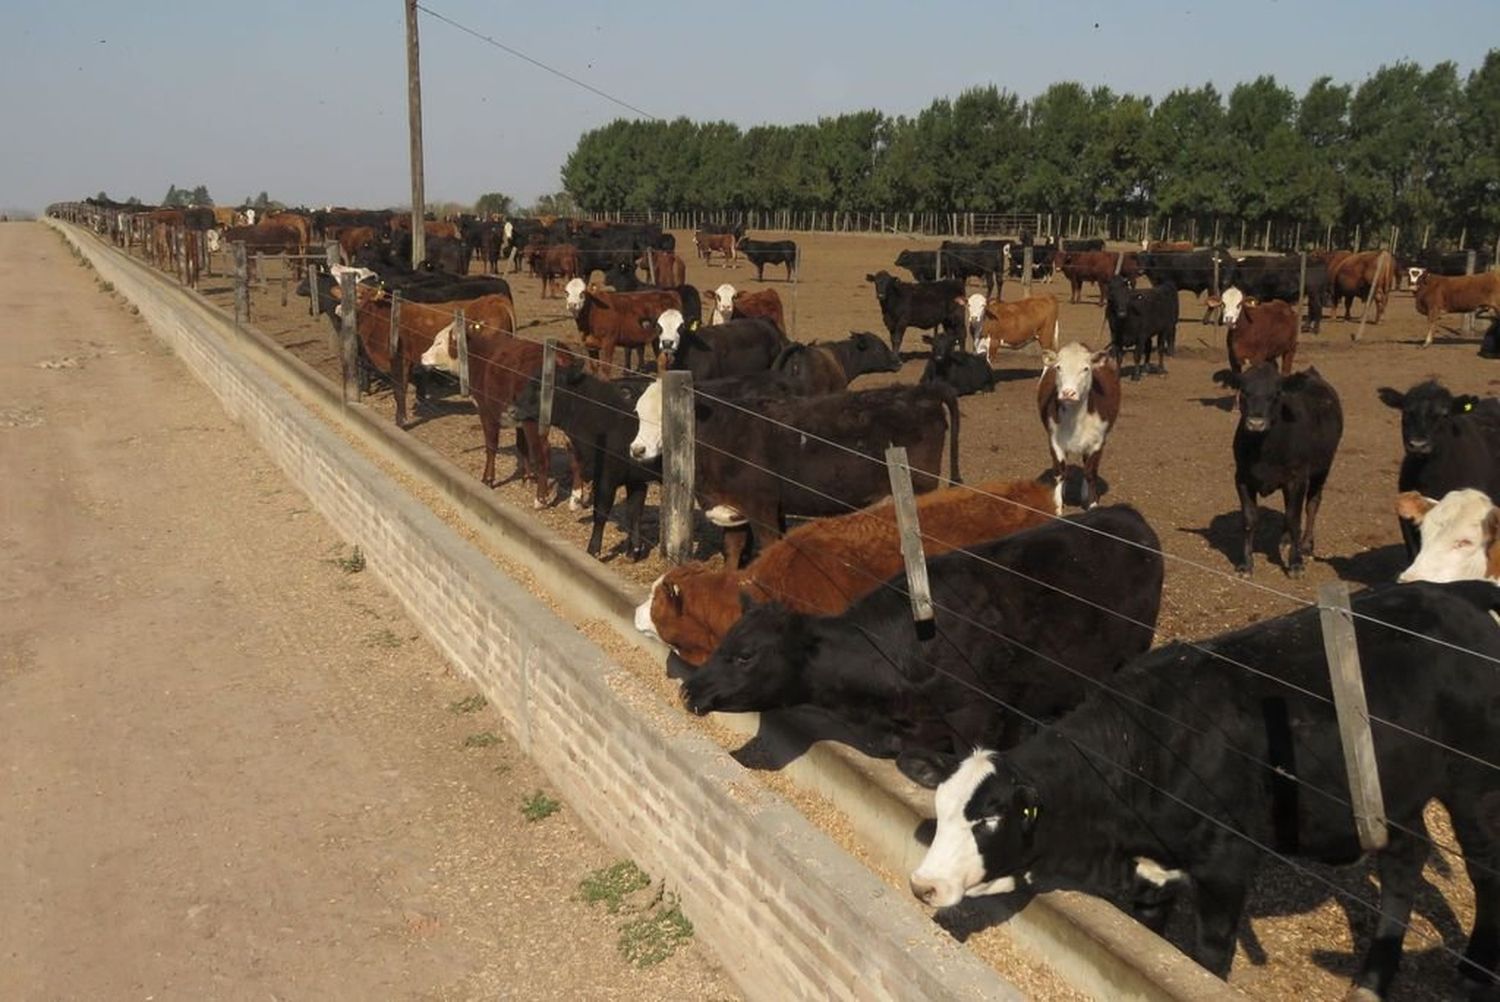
(1181, 774)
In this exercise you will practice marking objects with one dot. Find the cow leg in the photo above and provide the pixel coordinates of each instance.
(897, 332)
(529, 438)
(1091, 474)
(398, 386)
(1135, 375)
(736, 541)
(635, 505)
(1286, 360)
(1411, 537)
(604, 502)
(1399, 866)
(1314, 501)
(1431, 329)
(578, 496)
(1220, 899)
(1481, 846)
(1293, 497)
(1249, 516)
(490, 426)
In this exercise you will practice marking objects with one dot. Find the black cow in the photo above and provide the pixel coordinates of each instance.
(1008, 613)
(1449, 442)
(964, 371)
(1191, 271)
(728, 349)
(415, 287)
(737, 229)
(965, 261)
(861, 352)
(923, 305)
(1287, 435)
(1043, 259)
(1136, 318)
(447, 254)
(1276, 277)
(821, 455)
(1086, 244)
(1190, 767)
(763, 252)
(1452, 263)
(598, 416)
(922, 264)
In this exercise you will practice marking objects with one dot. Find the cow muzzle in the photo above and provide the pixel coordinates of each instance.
(1256, 424)
(1419, 446)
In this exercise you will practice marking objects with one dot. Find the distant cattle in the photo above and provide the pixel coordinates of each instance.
(1261, 332)
(824, 565)
(1197, 272)
(1437, 295)
(447, 254)
(967, 373)
(921, 263)
(559, 261)
(923, 305)
(1011, 325)
(1280, 277)
(663, 268)
(963, 261)
(1448, 442)
(827, 366)
(1081, 245)
(732, 348)
(1043, 260)
(1138, 318)
(608, 320)
(757, 464)
(732, 305)
(763, 252)
(1286, 438)
(1083, 592)
(1165, 246)
(1369, 275)
(708, 244)
(1078, 399)
(1190, 767)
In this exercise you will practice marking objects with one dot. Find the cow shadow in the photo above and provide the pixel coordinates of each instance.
(1377, 565)
(1014, 375)
(1225, 534)
(783, 736)
(1221, 403)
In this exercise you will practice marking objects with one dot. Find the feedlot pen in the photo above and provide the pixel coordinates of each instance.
(1169, 456)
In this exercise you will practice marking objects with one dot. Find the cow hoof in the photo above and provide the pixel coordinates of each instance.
(1294, 572)
(538, 504)
(1243, 570)
(1358, 994)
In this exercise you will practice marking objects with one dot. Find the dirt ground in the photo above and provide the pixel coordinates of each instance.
(228, 768)
(1169, 456)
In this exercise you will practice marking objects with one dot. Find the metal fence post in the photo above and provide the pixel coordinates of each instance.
(678, 459)
(241, 290)
(918, 588)
(1342, 650)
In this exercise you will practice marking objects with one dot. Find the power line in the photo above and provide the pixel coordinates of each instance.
(536, 62)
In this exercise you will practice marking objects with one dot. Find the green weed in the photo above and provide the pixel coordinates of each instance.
(539, 806)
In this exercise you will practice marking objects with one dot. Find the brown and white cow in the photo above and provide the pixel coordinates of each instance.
(732, 305)
(708, 243)
(1259, 332)
(1078, 399)
(1011, 325)
(1460, 536)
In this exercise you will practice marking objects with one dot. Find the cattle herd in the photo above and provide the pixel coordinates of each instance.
(1142, 774)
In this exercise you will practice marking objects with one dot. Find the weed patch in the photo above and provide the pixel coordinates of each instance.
(352, 564)
(469, 704)
(612, 884)
(650, 939)
(656, 929)
(484, 739)
(539, 806)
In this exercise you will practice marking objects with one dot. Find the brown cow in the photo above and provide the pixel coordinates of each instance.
(628, 319)
(260, 239)
(663, 268)
(1369, 274)
(402, 221)
(765, 303)
(500, 366)
(1263, 332)
(1440, 294)
(294, 220)
(420, 325)
(824, 566)
(352, 238)
(1098, 267)
(554, 262)
(1078, 398)
(707, 243)
(1011, 325)
(1167, 246)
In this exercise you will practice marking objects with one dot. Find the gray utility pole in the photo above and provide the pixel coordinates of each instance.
(414, 120)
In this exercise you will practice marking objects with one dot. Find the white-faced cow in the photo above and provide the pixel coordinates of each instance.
(1459, 536)
(1079, 400)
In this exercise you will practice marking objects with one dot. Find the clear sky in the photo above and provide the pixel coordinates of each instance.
(307, 100)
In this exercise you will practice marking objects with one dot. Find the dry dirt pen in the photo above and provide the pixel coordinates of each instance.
(1169, 456)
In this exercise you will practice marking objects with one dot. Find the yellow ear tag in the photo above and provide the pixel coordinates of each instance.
(1468, 406)
(1029, 813)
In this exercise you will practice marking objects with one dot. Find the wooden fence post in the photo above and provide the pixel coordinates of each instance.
(1028, 255)
(918, 588)
(461, 332)
(1342, 650)
(1469, 265)
(395, 344)
(1265, 243)
(1302, 279)
(284, 272)
(1241, 244)
(241, 291)
(677, 468)
(1380, 264)
(348, 330)
(549, 384)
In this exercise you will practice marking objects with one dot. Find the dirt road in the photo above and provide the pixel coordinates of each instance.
(228, 768)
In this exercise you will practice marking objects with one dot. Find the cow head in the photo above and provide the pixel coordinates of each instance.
(870, 354)
(211, 238)
(974, 308)
(987, 821)
(646, 445)
(944, 346)
(443, 352)
(574, 293)
(669, 329)
(757, 666)
(1414, 275)
(1075, 370)
(690, 608)
(1259, 395)
(723, 303)
(1426, 410)
(1117, 297)
(883, 281)
(1458, 536)
(1233, 301)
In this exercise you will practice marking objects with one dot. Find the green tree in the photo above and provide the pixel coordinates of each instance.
(200, 196)
(1472, 182)
(173, 197)
(492, 202)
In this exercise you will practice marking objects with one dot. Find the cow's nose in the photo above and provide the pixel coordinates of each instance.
(1256, 423)
(1418, 445)
(637, 452)
(923, 890)
(1071, 395)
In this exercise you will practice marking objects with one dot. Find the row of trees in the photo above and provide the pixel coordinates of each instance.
(1407, 147)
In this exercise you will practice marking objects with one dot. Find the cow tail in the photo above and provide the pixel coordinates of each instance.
(950, 397)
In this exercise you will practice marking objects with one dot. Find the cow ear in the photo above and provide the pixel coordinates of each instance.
(1391, 397)
(1049, 359)
(1413, 506)
(869, 278)
(928, 769)
(1227, 378)
(1465, 403)
(1099, 358)
(1491, 530)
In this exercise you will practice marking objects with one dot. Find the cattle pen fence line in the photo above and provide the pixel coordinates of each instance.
(1204, 229)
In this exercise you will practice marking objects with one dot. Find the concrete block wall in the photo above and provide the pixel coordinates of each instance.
(789, 913)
